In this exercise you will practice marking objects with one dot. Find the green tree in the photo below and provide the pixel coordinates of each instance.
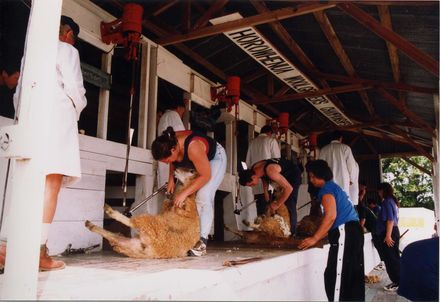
(411, 186)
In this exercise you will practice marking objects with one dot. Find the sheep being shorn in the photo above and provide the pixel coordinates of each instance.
(172, 233)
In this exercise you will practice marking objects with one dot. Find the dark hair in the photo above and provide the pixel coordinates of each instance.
(320, 169)
(266, 129)
(388, 191)
(245, 176)
(336, 135)
(65, 20)
(177, 103)
(162, 145)
(11, 65)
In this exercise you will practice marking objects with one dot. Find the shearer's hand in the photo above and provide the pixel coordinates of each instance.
(179, 200)
(308, 242)
(170, 187)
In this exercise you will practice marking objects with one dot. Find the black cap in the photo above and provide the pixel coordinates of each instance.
(65, 20)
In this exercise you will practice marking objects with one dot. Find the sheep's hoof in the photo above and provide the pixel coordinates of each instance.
(108, 209)
(89, 225)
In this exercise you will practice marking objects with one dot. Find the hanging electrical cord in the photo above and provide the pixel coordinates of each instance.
(129, 132)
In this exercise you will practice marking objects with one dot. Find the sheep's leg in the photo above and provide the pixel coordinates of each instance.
(117, 216)
(131, 247)
(236, 232)
(251, 225)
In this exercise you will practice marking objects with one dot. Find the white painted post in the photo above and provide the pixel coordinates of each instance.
(229, 146)
(152, 97)
(38, 79)
(144, 185)
(436, 162)
(104, 96)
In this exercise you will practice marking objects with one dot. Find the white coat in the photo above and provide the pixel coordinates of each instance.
(169, 119)
(340, 159)
(262, 147)
(63, 150)
(354, 187)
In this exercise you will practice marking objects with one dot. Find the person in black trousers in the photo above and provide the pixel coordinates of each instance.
(389, 235)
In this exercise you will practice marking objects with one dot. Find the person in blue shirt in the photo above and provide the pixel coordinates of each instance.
(388, 233)
(344, 274)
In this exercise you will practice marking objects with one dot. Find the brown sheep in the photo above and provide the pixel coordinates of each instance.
(172, 233)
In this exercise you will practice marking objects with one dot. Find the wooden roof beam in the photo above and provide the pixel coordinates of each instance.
(251, 92)
(162, 7)
(212, 11)
(280, 14)
(413, 143)
(418, 56)
(385, 19)
(400, 106)
(388, 85)
(312, 94)
(186, 15)
(369, 144)
(337, 47)
(291, 44)
(413, 163)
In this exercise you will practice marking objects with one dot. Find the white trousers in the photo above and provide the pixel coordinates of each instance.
(205, 196)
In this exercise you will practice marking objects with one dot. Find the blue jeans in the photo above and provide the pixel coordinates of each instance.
(205, 196)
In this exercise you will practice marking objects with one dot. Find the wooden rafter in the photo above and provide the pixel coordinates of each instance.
(311, 94)
(354, 140)
(186, 15)
(162, 7)
(270, 85)
(215, 7)
(296, 50)
(282, 91)
(384, 136)
(161, 31)
(280, 14)
(369, 144)
(385, 19)
(337, 47)
(404, 110)
(388, 85)
(402, 44)
(252, 77)
(413, 163)
(412, 142)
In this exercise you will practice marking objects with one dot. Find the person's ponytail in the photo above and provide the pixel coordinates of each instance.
(163, 144)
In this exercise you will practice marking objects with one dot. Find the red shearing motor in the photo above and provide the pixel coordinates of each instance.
(229, 93)
(125, 31)
(283, 120)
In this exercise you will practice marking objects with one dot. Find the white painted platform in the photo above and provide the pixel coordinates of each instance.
(280, 275)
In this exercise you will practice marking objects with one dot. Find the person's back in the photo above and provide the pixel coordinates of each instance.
(341, 161)
(264, 146)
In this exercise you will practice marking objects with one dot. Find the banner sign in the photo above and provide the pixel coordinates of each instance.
(255, 45)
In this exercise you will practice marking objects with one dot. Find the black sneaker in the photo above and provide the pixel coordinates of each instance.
(392, 287)
(198, 250)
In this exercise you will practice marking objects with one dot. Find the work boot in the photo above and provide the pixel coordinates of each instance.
(47, 263)
(2, 256)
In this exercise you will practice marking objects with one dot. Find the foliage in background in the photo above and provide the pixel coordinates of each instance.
(411, 186)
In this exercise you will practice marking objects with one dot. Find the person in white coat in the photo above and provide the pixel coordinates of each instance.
(63, 159)
(341, 160)
(264, 146)
(170, 118)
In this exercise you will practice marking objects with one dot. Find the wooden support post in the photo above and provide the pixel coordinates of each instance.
(38, 78)
(104, 95)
